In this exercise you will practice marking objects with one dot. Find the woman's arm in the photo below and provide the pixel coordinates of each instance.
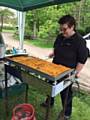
(79, 67)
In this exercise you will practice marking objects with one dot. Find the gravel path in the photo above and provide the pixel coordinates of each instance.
(32, 50)
(40, 52)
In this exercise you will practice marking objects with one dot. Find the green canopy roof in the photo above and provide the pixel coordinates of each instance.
(24, 5)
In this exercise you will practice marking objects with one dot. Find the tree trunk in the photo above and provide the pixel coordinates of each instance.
(34, 24)
(34, 29)
(79, 12)
(38, 25)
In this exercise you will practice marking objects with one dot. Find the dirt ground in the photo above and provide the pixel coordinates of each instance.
(84, 79)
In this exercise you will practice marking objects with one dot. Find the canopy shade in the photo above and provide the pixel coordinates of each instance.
(25, 5)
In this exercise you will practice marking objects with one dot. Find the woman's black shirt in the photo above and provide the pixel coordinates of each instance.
(70, 51)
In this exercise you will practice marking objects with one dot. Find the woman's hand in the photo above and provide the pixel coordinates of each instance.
(51, 55)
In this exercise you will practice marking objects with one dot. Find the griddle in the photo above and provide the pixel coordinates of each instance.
(41, 67)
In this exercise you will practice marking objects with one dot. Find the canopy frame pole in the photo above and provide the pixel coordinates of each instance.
(21, 27)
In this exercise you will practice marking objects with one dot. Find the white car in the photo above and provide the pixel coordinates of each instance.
(87, 38)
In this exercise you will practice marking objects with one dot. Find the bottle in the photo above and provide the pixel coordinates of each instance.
(14, 50)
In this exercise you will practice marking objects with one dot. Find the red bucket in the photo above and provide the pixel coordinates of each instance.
(23, 112)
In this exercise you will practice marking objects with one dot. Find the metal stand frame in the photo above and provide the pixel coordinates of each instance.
(41, 84)
(16, 73)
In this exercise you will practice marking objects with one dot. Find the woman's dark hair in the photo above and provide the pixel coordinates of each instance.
(67, 19)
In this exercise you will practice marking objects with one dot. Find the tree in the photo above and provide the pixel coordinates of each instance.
(5, 16)
(42, 23)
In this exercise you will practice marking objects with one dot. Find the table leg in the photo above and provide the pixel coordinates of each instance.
(6, 94)
(48, 109)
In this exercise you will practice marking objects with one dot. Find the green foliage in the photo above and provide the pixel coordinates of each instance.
(43, 22)
(6, 14)
(46, 20)
(7, 19)
(87, 29)
(81, 31)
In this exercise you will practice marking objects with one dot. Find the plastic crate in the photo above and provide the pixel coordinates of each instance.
(16, 94)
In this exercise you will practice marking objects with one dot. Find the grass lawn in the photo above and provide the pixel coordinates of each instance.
(81, 105)
(9, 31)
(40, 43)
(37, 42)
(80, 111)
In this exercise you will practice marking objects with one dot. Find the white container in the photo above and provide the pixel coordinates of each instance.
(2, 51)
(2, 47)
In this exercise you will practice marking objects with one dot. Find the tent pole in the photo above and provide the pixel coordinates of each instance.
(21, 24)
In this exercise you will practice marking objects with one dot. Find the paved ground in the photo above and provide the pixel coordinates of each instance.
(41, 53)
